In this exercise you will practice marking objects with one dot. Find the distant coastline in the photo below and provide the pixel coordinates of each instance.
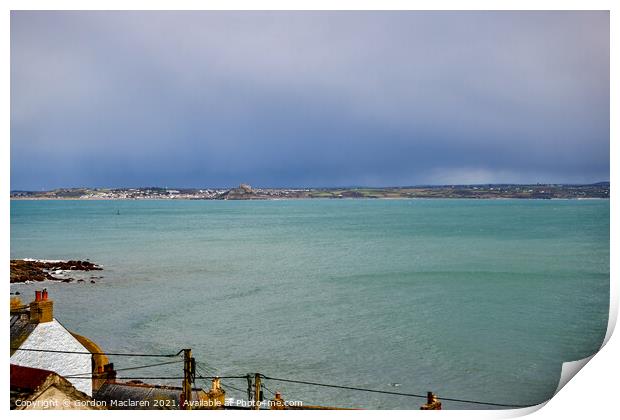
(598, 190)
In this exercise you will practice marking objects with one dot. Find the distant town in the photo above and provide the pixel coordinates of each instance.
(246, 192)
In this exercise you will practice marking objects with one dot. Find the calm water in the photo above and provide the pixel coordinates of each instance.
(470, 299)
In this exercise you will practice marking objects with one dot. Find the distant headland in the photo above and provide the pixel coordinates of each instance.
(246, 192)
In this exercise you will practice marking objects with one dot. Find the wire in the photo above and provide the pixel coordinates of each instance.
(264, 386)
(486, 403)
(164, 377)
(128, 368)
(263, 376)
(200, 366)
(201, 369)
(340, 386)
(96, 353)
(393, 393)
(133, 377)
(243, 391)
(212, 372)
(201, 374)
(148, 366)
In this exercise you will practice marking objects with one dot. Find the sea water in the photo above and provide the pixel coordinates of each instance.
(470, 299)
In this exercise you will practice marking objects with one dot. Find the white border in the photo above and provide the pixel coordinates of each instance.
(592, 394)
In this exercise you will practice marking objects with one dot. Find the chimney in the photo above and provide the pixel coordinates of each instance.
(216, 384)
(109, 370)
(41, 309)
(277, 403)
(432, 402)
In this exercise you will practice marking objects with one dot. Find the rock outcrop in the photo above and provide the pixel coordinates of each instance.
(32, 270)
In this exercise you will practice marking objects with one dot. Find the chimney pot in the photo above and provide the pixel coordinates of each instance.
(41, 310)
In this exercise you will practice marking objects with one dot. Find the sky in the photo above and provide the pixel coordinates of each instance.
(316, 99)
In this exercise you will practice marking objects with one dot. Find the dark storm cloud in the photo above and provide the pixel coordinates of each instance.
(308, 98)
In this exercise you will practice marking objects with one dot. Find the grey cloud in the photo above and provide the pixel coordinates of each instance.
(294, 98)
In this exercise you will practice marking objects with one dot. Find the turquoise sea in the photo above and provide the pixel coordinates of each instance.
(470, 299)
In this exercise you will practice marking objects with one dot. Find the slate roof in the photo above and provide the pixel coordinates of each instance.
(131, 392)
(21, 328)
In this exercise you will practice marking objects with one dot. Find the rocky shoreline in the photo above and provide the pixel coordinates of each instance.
(23, 271)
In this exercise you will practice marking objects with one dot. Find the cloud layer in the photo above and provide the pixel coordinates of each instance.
(197, 99)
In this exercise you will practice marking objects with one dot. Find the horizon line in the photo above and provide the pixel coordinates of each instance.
(319, 187)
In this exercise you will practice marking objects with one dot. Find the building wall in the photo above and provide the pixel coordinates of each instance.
(53, 336)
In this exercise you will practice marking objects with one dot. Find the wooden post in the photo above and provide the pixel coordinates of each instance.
(188, 367)
(249, 379)
(257, 393)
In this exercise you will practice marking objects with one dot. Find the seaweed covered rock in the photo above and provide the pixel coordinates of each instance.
(33, 270)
